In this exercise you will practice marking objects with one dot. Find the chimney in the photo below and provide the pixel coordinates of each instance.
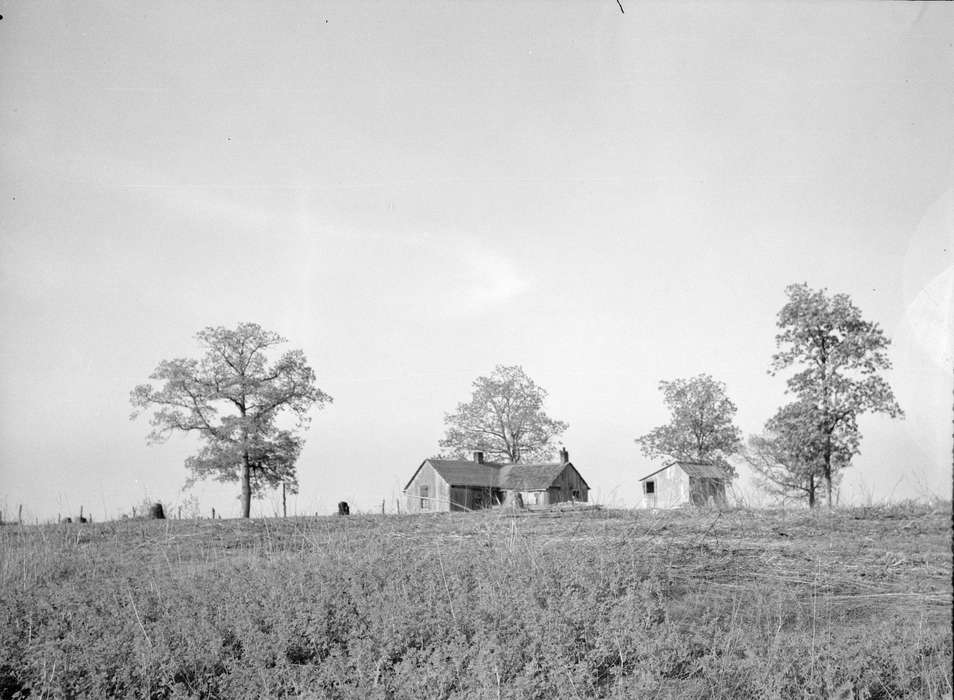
(564, 456)
(479, 457)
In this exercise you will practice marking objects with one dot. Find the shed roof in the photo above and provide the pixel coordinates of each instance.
(696, 469)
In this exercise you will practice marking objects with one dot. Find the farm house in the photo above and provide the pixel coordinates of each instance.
(458, 484)
(684, 484)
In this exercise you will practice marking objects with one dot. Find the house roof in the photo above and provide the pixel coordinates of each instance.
(461, 472)
(530, 477)
(695, 469)
(516, 477)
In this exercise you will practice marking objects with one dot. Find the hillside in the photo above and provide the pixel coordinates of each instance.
(551, 604)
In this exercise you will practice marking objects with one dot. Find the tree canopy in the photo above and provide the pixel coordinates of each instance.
(787, 457)
(239, 403)
(837, 355)
(503, 419)
(701, 427)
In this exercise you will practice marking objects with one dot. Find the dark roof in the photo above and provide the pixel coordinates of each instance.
(696, 469)
(461, 472)
(530, 477)
(516, 477)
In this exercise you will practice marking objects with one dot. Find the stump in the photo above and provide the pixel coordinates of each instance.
(343, 508)
(156, 512)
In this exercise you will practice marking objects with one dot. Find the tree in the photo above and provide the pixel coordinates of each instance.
(700, 429)
(503, 419)
(788, 457)
(839, 355)
(235, 400)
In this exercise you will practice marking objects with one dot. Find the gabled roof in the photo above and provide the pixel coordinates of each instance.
(530, 477)
(516, 477)
(461, 472)
(695, 469)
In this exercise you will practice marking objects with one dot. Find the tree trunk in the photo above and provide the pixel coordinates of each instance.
(246, 486)
(828, 466)
(811, 491)
(831, 504)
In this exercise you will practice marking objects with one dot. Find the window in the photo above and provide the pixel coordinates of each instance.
(425, 501)
(575, 495)
(650, 487)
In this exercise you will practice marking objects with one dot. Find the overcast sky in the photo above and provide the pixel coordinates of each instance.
(413, 193)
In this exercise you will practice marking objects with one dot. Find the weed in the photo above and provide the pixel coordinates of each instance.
(549, 604)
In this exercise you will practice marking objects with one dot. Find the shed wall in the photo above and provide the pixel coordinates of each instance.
(707, 491)
(672, 489)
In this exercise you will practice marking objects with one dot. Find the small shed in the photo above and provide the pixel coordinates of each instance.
(460, 484)
(683, 483)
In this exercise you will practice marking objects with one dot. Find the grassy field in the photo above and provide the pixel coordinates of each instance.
(575, 604)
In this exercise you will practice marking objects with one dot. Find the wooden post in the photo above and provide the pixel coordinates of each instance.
(213, 513)
(382, 506)
(20, 514)
(284, 504)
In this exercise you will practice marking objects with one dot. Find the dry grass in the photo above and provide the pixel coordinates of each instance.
(581, 603)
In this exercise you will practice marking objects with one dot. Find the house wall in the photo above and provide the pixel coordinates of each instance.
(439, 492)
(442, 497)
(672, 489)
(568, 486)
(474, 497)
(532, 498)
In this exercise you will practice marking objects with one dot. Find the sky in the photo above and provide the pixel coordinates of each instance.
(413, 193)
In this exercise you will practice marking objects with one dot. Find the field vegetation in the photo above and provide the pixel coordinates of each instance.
(546, 604)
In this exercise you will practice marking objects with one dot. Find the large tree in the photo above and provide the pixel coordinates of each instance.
(787, 457)
(503, 419)
(247, 410)
(838, 355)
(700, 429)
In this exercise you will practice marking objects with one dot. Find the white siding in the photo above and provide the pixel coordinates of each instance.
(672, 488)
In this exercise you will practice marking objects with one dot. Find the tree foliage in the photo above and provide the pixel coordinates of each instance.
(701, 428)
(504, 419)
(787, 457)
(235, 399)
(837, 355)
